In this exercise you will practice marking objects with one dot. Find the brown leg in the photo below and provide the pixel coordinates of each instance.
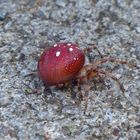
(106, 59)
(84, 81)
(86, 101)
(89, 76)
(111, 76)
(113, 60)
(86, 87)
(97, 72)
(91, 73)
(84, 90)
(90, 49)
(114, 78)
(94, 66)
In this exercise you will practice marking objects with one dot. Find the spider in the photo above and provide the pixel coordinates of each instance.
(63, 63)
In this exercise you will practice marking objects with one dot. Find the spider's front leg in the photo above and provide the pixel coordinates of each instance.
(113, 60)
(91, 48)
(106, 59)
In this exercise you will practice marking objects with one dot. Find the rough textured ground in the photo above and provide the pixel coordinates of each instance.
(113, 25)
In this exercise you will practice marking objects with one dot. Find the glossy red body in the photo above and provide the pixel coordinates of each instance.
(60, 63)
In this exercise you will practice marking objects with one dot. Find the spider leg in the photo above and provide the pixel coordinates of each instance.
(95, 66)
(113, 60)
(84, 90)
(85, 95)
(97, 72)
(117, 81)
(90, 49)
(112, 77)
(88, 76)
(86, 102)
(85, 80)
(106, 59)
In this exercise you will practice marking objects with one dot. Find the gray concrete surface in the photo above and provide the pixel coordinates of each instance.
(113, 25)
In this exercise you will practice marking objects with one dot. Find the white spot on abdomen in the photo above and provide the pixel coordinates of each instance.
(57, 53)
(75, 58)
(70, 49)
(55, 45)
(69, 44)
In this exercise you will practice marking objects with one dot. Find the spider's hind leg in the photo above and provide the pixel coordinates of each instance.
(117, 81)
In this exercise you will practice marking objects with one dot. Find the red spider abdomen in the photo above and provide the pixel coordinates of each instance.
(60, 63)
